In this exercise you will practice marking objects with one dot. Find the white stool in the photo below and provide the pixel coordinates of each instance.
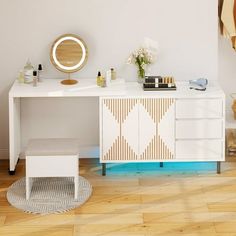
(52, 158)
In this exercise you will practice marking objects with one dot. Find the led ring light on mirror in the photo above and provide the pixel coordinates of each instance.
(69, 54)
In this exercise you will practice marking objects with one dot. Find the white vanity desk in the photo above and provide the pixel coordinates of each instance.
(182, 125)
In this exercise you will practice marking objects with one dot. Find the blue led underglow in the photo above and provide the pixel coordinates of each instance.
(154, 168)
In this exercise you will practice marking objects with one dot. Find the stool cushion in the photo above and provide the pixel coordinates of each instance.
(52, 147)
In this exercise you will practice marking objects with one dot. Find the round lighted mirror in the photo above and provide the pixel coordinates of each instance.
(69, 54)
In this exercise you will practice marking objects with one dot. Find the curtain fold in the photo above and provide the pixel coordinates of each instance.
(227, 19)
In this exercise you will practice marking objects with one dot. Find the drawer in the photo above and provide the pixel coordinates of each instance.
(199, 150)
(199, 129)
(199, 108)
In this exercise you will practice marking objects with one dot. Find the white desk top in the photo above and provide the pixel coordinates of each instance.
(88, 88)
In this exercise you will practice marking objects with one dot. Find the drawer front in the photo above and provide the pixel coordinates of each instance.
(199, 150)
(199, 108)
(199, 129)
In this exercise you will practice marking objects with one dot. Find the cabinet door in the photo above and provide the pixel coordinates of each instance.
(157, 129)
(119, 134)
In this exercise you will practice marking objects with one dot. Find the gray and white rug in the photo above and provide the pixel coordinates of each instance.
(49, 195)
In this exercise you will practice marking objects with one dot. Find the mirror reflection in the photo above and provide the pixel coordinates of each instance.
(69, 54)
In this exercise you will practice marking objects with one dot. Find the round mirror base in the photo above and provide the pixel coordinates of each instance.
(69, 81)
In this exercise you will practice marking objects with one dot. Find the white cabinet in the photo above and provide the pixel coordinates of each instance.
(135, 125)
(137, 129)
(161, 129)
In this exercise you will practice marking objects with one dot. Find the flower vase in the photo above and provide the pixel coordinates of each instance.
(141, 75)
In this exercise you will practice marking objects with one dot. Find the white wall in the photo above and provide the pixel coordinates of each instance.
(185, 29)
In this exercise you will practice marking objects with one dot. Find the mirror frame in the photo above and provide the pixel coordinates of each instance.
(61, 67)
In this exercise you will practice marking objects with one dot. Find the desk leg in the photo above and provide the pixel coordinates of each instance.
(218, 167)
(14, 133)
(103, 169)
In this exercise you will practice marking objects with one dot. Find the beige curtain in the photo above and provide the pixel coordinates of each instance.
(227, 16)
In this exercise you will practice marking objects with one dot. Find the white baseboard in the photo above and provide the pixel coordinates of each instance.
(4, 154)
(85, 152)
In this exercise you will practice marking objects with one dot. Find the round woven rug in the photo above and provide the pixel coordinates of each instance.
(49, 195)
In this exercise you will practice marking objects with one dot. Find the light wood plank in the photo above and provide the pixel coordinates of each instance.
(2, 220)
(160, 228)
(37, 230)
(222, 207)
(82, 219)
(187, 217)
(225, 227)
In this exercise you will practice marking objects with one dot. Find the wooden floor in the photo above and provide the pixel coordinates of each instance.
(190, 200)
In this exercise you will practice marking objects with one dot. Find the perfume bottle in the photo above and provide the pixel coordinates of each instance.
(28, 72)
(99, 78)
(103, 82)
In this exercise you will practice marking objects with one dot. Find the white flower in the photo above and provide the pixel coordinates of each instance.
(142, 56)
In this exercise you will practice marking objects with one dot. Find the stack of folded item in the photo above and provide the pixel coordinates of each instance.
(158, 83)
(231, 142)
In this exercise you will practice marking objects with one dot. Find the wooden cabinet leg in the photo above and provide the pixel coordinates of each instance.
(218, 167)
(161, 164)
(103, 169)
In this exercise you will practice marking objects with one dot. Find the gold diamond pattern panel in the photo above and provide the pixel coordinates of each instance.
(157, 148)
(120, 108)
(120, 149)
(157, 108)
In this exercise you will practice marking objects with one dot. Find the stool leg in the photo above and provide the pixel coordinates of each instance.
(76, 182)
